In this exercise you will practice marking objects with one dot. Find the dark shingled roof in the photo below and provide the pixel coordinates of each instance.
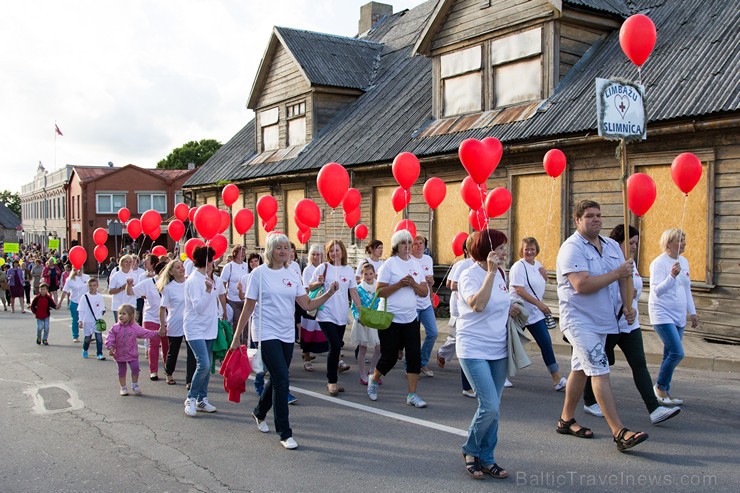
(692, 72)
(8, 219)
(618, 7)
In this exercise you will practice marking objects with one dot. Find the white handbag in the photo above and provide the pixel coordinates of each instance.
(255, 354)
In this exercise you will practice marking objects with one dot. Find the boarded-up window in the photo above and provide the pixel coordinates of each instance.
(270, 130)
(297, 131)
(236, 238)
(291, 199)
(384, 219)
(667, 213)
(261, 233)
(517, 67)
(450, 218)
(536, 212)
(462, 81)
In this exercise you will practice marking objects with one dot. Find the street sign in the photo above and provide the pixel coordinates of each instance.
(620, 109)
(54, 244)
(12, 248)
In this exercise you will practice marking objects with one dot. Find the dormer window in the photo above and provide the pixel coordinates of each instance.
(516, 61)
(462, 81)
(270, 129)
(296, 115)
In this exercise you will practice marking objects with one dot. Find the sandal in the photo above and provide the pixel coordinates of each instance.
(627, 443)
(170, 380)
(496, 471)
(440, 361)
(333, 389)
(308, 366)
(473, 467)
(564, 428)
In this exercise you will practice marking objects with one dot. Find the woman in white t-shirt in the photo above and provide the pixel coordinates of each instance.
(274, 290)
(117, 284)
(527, 282)
(312, 339)
(481, 346)
(171, 284)
(74, 288)
(669, 302)
(333, 315)
(373, 250)
(400, 282)
(146, 288)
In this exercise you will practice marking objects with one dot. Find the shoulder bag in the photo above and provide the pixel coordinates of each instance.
(255, 354)
(376, 319)
(317, 293)
(100, 325)
(549, 321)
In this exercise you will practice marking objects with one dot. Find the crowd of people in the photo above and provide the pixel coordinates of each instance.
(272, 303)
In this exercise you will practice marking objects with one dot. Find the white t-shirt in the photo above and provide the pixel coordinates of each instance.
(118, 280)
(308, 274)
(147, 288)
(189, 267)
(482, 335)
(200, 320)
(427, 269)
(295, 267)
(593, 312)
(336, 309)
(637, 283)
(280, 288)
(670, 298)
(142, 274)
(231, 275)
(518, 277)
(88, 317)
(376, 264)
(402, 303)
(76, 287)
(220, 290)
(173, 298)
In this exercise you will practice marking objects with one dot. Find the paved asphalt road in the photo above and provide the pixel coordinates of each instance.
(65, 428)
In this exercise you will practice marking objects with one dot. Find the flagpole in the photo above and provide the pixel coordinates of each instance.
(55, 145)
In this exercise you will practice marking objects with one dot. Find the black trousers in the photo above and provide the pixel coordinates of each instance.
(173, 351)
(398, 337)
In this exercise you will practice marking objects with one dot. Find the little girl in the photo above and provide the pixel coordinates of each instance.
(121, 344)
(361, 335)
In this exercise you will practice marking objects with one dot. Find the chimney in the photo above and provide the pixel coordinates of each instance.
(371, 13)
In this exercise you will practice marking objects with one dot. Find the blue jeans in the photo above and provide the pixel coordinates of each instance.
(276, 356)
(75, 319)
(671, 336)
(542, 338)
(487, 377)
(199, 385)
(98, 343)
(42, 328)
(429, 321)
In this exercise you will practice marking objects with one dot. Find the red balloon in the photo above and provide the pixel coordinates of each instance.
(134, 228)
(154, 234)
(304, 236)
(554, 162)
(219, 245)
(267, 207)
(270, 224)
(176, 229)
(686, 171)
(352, 217)
(300, 225)
(151, 220)
(434, 192)
(480, 158)
(435, 300)
(408, 225)
(191, 245)
(472, 194)
(406, 169)
(191, 214)
(637, 38)
(123, 214)
(307, 212)
(457, 243)
(498, 202)
(77, 256)
(477, 219)
(243, 220)
(641, 193)
(400, 198)
(225, 220)
(100, 253)
(360, 232)
(182, 212)
(351, 200)
(333, 182)
(230, 194)
(207, 221)
(159, 251)
(100, 236)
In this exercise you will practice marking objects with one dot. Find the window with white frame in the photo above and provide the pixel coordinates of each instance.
(179, 198)
(106, 203)
(296, 114)
(462, 81)
(150, 200)
(516, 61)
(270, 129)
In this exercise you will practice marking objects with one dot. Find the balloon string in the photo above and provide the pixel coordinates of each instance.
(485, 214)
(639, 235)
(443, 279)
(683, 215)
(639, 75)
(549, 218)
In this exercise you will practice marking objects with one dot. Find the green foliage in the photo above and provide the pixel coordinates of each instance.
(191, 152)
(12, 201)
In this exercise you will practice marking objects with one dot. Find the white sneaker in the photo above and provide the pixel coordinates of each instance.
(413, 399)
(508, 384)
(124, 390)
(469, 393)
(203, 406)
(190, 407)
(261, 424)
(136, 389)
(426, 372)
(663, 414)
(666, 401)
(289, 443)
(593, 410)
(372, 388)
(560, 386)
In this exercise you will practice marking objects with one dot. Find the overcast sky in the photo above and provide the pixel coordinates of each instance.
(129, 81)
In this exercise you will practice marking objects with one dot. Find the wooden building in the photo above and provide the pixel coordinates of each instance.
(523, 71)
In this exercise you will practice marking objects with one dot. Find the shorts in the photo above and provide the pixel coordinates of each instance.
(589, 351)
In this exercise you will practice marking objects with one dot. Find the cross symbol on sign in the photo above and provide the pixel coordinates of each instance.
(622, 107)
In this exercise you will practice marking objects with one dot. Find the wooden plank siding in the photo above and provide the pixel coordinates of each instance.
(328, 105)
(575, 40)
(284, 80)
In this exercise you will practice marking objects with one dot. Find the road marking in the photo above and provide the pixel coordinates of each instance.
(39, 407)
(54, 319)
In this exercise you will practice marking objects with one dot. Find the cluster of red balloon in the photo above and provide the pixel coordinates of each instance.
(100, 236)
(406, 169)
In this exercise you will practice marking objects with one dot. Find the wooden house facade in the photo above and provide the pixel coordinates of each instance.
(425, 79)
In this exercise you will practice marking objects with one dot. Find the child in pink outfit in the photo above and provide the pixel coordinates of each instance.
(122, 345)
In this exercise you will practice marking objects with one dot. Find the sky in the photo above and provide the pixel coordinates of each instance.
(127, 82)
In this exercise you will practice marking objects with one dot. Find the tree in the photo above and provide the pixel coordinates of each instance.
(191, 152)
(12, 201)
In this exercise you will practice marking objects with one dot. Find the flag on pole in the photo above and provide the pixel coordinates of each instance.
(59, 132)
